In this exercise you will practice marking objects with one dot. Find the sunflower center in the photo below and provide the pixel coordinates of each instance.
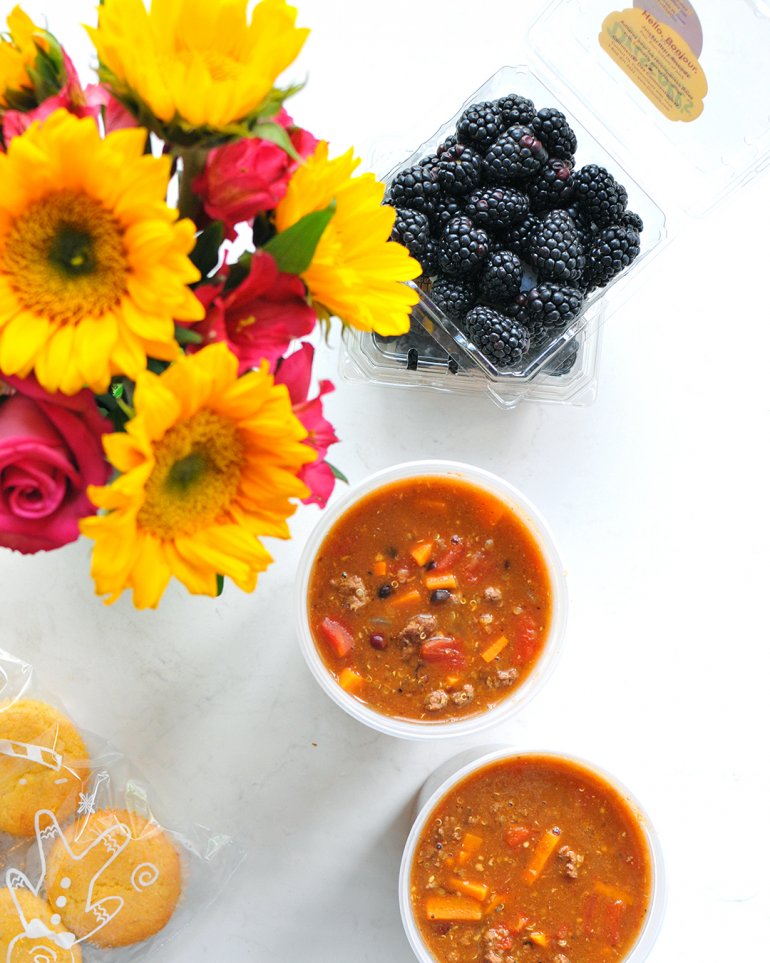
(196, 476)
(65, 257)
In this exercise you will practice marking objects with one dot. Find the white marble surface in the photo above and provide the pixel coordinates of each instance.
(658, 496)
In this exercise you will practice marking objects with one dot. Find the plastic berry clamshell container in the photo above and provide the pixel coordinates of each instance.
(667, 98)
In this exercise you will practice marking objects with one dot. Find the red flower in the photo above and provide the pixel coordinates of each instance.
(50, 451)
(294, 372)
(248, 176)
(259, 318)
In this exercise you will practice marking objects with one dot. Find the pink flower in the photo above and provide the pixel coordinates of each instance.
(260, 317)
(50, 451)
(294, 372)
(248, 176)
(115, 115)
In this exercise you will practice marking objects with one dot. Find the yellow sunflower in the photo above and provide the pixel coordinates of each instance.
(200, 63)
(93, 263)
(18, 54)
(209, 462)
(356, 273)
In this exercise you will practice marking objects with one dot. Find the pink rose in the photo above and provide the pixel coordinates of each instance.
(50, 451)
(294, 372)
(248, 176)
(260, 317)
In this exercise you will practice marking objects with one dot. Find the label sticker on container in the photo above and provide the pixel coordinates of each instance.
(658, 59)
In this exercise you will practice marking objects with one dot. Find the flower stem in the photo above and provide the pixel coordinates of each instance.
(193, 161)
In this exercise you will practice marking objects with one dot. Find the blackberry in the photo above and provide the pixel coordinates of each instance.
(480, 125)
(600, 196)
(497, 208)
(632, 220)
(500, 339)
(612, 250)
(463, 247)
(454, 296)
(552, 186)
(518, 238)
(459, 170)
(582, 223)
(445, 208)
(416, 188)
(515, 110)
(555, 250)
(429, 260)
(515, 154)
(553, 305)
(500, 278)
(412, 229)
(554, 131)
(446, 144)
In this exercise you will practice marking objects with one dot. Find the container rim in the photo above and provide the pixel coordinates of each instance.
(519, 503)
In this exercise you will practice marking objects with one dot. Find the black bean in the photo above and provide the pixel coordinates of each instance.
(378, 641)
(440, 595)
(385, 590)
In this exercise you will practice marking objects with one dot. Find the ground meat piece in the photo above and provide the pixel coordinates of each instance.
(463, 696)
(497, 942)
(352, 591)
(493, 594)
(438, 699)
(571, 861)
(503, 677)
(417, 629)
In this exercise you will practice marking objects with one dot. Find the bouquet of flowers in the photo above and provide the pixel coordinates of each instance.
(168, 238)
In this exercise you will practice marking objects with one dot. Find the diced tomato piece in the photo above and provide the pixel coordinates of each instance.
(527, 637)
(445, 651)
(475, 568)
(339, 638)
(614, 917)
(447, 559)
(516, 834)
(517, 923)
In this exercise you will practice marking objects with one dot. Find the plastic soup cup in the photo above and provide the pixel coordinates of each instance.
(520, 695)
(452, 773)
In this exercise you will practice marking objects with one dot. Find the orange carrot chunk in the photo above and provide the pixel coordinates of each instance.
(541, 854)
(350, 680)
(410, 597)
(441, 581)
(453, 908)
(471, 844)
(380, 567)
(421, 552)
(469, 887)
(492, 651)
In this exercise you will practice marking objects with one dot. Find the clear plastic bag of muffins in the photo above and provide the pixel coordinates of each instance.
(88, 872)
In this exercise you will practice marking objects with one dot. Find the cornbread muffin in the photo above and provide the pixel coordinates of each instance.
(43, 765)
(16, 945)
(139, 887)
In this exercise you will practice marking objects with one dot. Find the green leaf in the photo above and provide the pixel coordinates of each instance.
(205, 255)
(337, 473)
(117, 389)
(220, 584)
(293, 249)
(276, 135)
(185, 336)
